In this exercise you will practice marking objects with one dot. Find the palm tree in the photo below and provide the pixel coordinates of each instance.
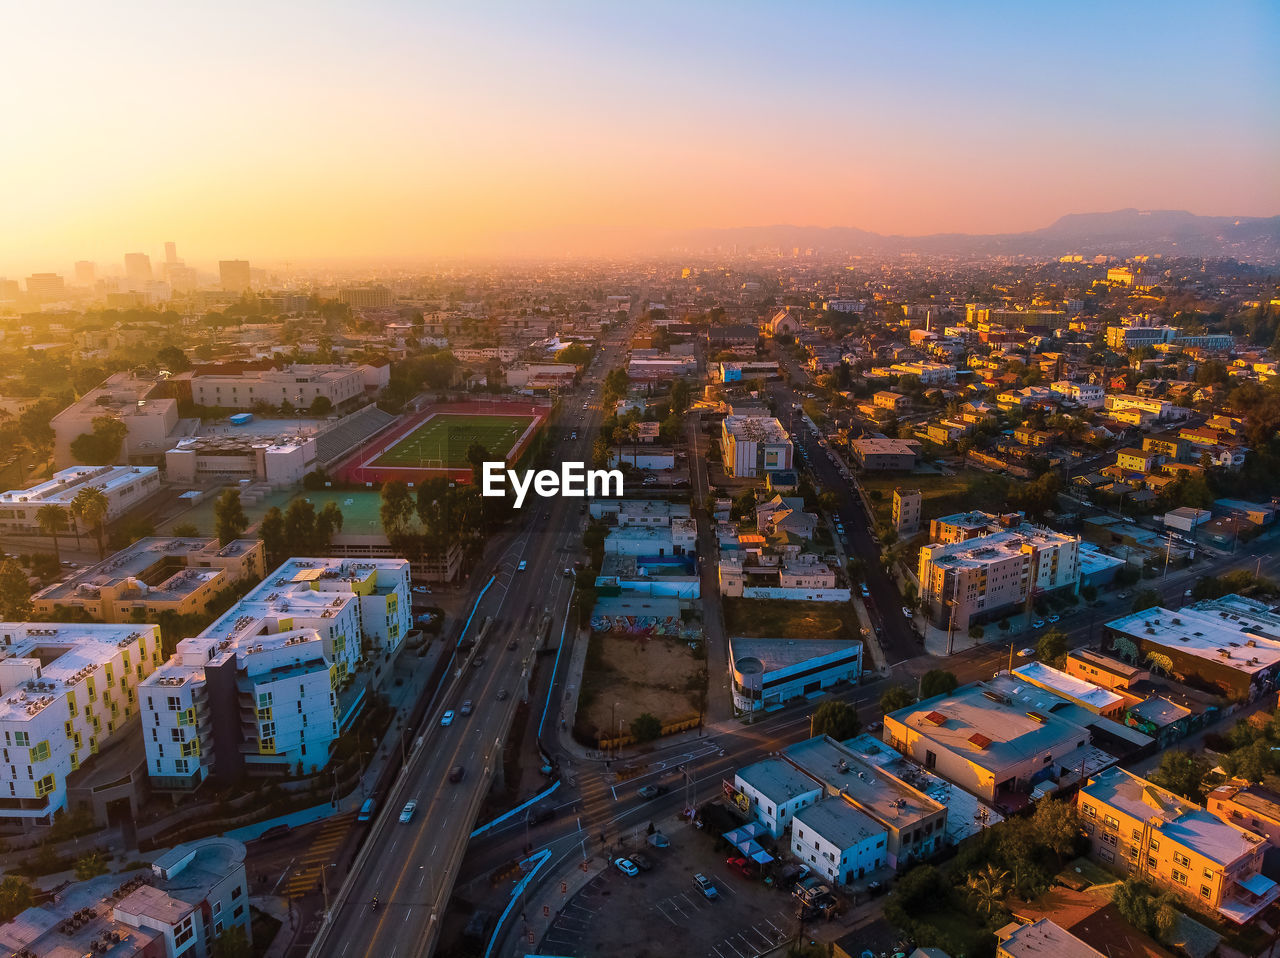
(988, 888)
(52, 520)
(91, 505)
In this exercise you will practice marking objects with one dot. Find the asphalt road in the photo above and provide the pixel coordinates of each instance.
(411, 867)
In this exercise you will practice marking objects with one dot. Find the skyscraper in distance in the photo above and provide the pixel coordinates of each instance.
(233, 274)
(137, 270)
(171, 253)
(86, 273)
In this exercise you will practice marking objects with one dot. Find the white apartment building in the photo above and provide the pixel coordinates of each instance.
(300, 385)
(124, 487)
(1089, 395)
(279, 461)
(931, 374)
(151, 421)
(754, 445)
(65, 690)
(268, 686)
(838, 841)
(1161, 409)
(976, 580)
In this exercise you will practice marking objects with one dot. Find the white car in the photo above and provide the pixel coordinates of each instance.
(1026, 653)
(447, 718)
(406, 814)
(906, 612)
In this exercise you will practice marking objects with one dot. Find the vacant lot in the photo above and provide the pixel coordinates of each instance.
(626, 676)
(942, 495)
(443, 440)
(777, 619)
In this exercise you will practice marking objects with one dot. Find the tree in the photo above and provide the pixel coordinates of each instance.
(477, 455)
(91, 505)
(15, 592)
(837, 719)
(271, 532)
(321, 406)
(937, 682)
(1182, 773)
(52, 519)
(645, 727)
(229, 518)
(1052, 647)
(15, 897)
(173, 359)
(895, 697)
(328, 524)
(300, 528)
(185, 530)
(1056, 825)
(232, 943)
(102, 446)
(397, 510)
(975, 631)
(988, 888)
(90, 866)
(1089, 593)
(1146, 599)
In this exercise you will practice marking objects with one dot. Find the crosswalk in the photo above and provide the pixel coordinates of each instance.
(306, 875)
(595, 802)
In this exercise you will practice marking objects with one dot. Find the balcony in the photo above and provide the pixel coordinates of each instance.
(1246, 898)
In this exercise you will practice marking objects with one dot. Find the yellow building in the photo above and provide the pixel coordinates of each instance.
(1141, 829)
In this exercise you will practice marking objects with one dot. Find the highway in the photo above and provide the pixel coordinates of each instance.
(411, 867)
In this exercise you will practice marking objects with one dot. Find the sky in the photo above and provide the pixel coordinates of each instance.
(292, 131)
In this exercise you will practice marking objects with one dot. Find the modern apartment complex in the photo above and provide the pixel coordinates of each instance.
(152, 576)
(270, 684)
(1141, 829)
(124, 487)
(754, 445)
(65, 690)
(976, 580)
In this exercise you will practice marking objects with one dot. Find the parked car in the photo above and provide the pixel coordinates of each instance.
(906, 612)
(739, 864)
(707, 885)
(406, 813)
(1054, 618)
(1038, 624)
(275, 831)
(628, 869)
(1026, 653)
(640, 861)
(421, 590)
(447, 718)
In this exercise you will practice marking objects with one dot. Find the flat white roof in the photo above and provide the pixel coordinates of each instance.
(1068, 685)
(1232, 631)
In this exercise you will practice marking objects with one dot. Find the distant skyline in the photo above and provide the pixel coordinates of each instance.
(288, 131)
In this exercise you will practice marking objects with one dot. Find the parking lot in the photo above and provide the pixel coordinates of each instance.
(662, 911)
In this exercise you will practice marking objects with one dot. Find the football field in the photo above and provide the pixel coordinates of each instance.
(443, 440)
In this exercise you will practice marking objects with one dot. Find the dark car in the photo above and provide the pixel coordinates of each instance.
(545, 811)
(512, 645)
(640, 861)
(275, 831)
(651, 791)
(456, 773)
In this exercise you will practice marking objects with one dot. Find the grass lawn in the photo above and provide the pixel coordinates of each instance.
(442, 441)
(780, 619)
(941, 495)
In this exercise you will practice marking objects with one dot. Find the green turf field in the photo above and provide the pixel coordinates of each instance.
(442, 441)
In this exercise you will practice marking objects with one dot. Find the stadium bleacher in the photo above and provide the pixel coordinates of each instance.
(343, 436)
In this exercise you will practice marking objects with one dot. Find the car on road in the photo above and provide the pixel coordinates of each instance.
(477, 661)
(275, 831)
(626, 867)
(1054, 618)
(406, 813)
(502, 695)
(651, 791)
(456, 773)
(513, 645)
(1038, 624)
(522, 566)
(447, 718)
(659, 840)
(641, 862)
(707, 885)
(421, 590)
(545, 811)
(1124, 595)
(906, 612)
(1026, 653)
(1186, 594)
(865, 591)
(465, 708)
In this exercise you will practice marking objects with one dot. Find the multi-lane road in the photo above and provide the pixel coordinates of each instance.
(410, 867)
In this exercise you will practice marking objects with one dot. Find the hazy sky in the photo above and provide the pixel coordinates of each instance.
(274, 130)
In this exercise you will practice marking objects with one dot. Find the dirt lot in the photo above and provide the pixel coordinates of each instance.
(660, 676)
(778, 619)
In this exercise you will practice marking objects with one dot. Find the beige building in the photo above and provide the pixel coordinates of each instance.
(1140, 829)
(151, 421)
(300, 385)
(981, 579)
(1041, 939)
(152, 576)
(906, 510)
(886, 455)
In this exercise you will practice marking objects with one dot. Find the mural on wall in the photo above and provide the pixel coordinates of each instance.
(642, 626)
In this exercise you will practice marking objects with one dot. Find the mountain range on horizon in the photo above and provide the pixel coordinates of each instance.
(1123, 233)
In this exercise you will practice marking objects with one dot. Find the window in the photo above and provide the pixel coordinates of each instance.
(236, 892)
(1106, 855)
(1109, 838)
(1137, 834)
(1111, 821)
(238, 912)
(1208, 873)
(1205, 891)
(183, 933)
(1181, 859)
(1155, 845)
(1179, 877)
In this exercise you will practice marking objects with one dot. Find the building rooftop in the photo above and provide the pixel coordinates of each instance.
(881, 445)
(775, 654)
(154, 563)
(755, 428)
(1107, 663)
(1259, 800)
(838, 822)
(1159, 711)
(65, 483)
(1232, 631)
(873, 788)
(1180, 820)
(976, 553)
(1041, 939)
(777, 780)
(1068, 686)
